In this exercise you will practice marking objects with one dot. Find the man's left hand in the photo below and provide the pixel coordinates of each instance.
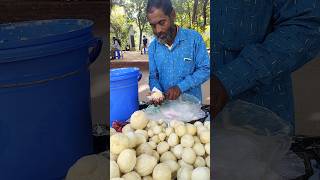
(173, 93)
(220, 96)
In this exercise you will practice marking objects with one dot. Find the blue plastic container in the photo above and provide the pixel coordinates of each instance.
(45, 123)
(124, 99)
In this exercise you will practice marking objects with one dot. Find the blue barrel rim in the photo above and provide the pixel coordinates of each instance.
(54, 48)
(126, 72)
(53, 107)
(84, 27)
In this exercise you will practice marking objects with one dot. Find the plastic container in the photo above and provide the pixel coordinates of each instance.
(45, 122)
(124, 99)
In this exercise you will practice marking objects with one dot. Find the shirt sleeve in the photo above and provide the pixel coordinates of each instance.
(202, 67)
(294, 41)
(153, 71)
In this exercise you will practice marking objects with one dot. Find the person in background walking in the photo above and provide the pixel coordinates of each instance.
(116, 48)
(145, 42)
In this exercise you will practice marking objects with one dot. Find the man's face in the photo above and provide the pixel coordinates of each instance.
(162, 25)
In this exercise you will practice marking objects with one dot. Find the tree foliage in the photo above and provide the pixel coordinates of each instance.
(192, 14)
(119, 25)
(136, 11)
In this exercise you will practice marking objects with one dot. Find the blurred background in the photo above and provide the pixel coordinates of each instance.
(305, 81)
(95, 10)
(129, 25)
(128, 18)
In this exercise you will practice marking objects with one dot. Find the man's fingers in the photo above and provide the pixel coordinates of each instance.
(165, 95)
(174, 96)
(157, 102)
(220, 97)
(168, 95)
(177, 94)
(154, 102)
(171, 95)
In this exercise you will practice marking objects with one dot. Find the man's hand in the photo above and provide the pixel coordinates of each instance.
(155, 101)
(173, 93)
(220, 96)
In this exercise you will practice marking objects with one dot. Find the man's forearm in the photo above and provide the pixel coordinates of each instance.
(194, 80)
(294, 42)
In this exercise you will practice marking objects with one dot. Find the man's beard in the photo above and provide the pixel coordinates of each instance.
(167, 37)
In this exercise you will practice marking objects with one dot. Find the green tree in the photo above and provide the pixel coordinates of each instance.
(118, 25)
(194, 14)
(117, 2)
(136, 11)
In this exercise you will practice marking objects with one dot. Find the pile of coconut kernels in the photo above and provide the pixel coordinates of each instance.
(149, 150)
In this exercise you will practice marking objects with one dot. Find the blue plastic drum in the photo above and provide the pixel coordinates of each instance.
(45, 122)
(124, 99)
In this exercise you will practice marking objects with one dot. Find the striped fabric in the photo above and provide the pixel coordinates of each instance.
(186, 64)
(257, 44)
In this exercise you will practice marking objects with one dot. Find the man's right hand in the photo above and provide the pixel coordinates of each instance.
(155, 101)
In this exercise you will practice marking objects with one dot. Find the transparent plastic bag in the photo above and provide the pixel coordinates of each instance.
(290, 166)
(252, 118)
(251, 142)
(186, 108)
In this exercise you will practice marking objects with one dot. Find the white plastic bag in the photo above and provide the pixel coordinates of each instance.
(250, 142)
(186, 108)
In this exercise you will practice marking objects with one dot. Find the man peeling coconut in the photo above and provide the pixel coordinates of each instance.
(178, 58)
(156, 96)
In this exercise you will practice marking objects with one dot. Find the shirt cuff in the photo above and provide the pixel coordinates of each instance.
(183, 87)
(236, 77)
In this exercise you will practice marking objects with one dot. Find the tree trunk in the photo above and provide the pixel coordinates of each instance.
(195, 7)
(204, 10)
(141, 28)
(140, 37)
(189, 17)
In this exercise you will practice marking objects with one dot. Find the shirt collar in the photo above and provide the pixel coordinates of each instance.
(180, 36)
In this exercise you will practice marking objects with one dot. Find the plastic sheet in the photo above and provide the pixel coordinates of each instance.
(250, 142)
(186, 108)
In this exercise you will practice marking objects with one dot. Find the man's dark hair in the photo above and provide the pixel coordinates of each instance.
(165, 5)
